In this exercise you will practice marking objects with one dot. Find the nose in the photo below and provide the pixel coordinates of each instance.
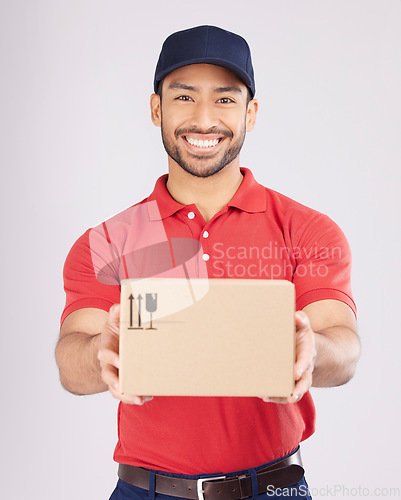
(204, 116)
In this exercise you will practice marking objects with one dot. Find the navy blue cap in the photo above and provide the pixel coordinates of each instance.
(206, 44)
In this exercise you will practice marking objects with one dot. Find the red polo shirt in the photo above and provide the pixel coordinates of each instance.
(259, 234)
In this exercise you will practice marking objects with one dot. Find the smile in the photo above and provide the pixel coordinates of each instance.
(199, 143)
(202, 145)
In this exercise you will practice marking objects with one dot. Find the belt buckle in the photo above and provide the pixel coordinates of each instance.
(199, 484)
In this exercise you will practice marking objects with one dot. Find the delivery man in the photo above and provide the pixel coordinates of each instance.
(204, 102)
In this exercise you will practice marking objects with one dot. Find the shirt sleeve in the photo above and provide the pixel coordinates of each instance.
(323, 264)
(81, 284)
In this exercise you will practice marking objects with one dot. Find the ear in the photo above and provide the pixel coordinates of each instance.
(155, 110)
(251, 113)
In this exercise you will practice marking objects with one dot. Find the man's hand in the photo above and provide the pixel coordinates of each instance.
(108, 356)
(305, 349)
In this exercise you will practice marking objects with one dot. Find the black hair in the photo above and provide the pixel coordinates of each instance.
(159, 88)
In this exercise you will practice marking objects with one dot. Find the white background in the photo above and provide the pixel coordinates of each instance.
(77, 146)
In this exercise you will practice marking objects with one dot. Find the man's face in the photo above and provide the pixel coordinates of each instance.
(203, 116)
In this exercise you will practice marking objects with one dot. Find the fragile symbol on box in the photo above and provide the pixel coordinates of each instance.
(150, 305)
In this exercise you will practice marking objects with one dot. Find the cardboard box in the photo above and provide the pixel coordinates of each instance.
(207, 337)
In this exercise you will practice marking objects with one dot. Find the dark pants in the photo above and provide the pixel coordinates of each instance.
(125, 491)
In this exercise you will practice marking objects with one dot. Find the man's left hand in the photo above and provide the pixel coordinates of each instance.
(305, 349)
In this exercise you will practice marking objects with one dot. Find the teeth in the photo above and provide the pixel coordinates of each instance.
(202, 144)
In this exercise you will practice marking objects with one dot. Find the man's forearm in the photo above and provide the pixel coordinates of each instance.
(76, 355)
(338, 350)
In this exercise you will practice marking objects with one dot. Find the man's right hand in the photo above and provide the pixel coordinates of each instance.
(109, 359)
(88, 360)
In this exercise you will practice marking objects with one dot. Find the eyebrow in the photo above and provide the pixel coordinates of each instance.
(231, 88)
(184, 86)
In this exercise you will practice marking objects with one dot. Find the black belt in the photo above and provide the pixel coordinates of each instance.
(286, 472)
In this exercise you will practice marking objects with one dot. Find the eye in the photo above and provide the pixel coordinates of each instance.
(183, 98)
(225, 100)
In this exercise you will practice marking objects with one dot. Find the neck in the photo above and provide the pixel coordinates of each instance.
(209, 194)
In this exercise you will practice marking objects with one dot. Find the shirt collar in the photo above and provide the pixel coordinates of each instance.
(249, 197)
(166, 205)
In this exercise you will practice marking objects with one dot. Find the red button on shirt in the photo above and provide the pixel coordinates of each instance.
(260, 234)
